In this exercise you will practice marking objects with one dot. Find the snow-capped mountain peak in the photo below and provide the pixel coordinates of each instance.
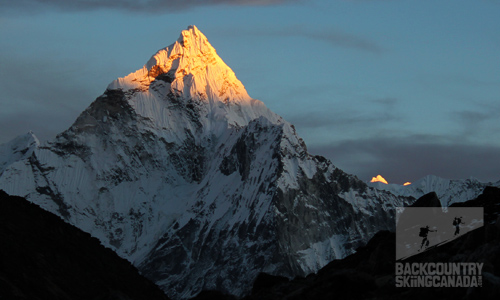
(178, 170)
(188, 81)
(191, 66)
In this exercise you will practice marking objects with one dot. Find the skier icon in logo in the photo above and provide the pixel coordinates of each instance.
(456, 222)
(424, 231)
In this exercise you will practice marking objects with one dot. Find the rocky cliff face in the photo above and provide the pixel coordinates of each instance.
(180, 171)
(370, 272)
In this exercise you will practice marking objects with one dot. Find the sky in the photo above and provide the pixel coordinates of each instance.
(399, 88)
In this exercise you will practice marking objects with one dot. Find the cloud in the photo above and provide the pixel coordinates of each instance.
(335, 117)
(413, 157)
(472, 117)
(146, 6)
(341, 119)
(342, 39)
(473, 124)
(387, 101)
(331, 36)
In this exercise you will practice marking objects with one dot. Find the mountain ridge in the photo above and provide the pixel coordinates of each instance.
(370, 272)
(448, 191)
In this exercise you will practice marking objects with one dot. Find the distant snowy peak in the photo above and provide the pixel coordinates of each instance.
(448, 190)
(17, 149)
(191, 66)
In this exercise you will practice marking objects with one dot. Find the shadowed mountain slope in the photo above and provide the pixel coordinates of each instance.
(370, 272)
(42, 257)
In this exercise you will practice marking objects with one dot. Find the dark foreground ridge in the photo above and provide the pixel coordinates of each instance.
(370, 272)
(42, 257)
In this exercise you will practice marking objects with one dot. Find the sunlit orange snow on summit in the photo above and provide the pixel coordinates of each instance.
(379, 178)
